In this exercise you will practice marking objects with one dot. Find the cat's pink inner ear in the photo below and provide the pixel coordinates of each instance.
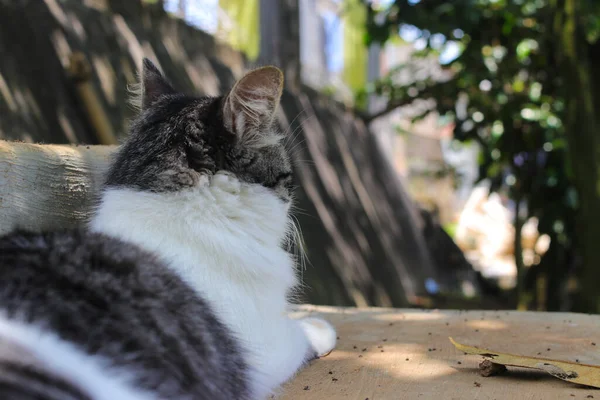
(252, 102)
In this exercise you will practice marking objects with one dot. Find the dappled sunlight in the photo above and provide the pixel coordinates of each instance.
(352, 198)
(406, 353)
(381, 314)
(66, 127)
(354, 175)
(318, 148)
(492, 325)
(32, 103)
(360, 237)
(148, 51)
(61, 47)
(101, 5)
(26, 137)
(57, 12)
(391, 363)
(357, 296)
(128, 70)
(359, 227)
(349, 259)
(23, 104)
(199, 70)
(409, 316)
(425, 371)
(133, 44)
(7, 95)
(106, 74)
(77, 27)
(205, 82)
(342, 258)
(322, 210)
(174, 48)
(381, 296)
(355, 218)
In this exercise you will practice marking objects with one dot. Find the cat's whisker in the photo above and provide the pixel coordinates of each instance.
(296, 145)
(291, 138)
(300, 126)
(305, 214)
(292, 123)
(305, 162)
(299, 242)
(296, 149)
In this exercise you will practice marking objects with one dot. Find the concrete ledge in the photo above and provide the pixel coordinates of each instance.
(406, 354)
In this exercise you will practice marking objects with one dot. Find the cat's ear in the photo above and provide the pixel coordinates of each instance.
(249, 108)
(153, 85)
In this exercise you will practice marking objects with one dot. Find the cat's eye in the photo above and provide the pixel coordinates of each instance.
(283, 176)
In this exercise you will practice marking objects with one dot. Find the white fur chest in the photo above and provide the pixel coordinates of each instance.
(224, 239)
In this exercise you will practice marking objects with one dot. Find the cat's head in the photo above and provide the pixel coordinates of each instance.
(178, 140)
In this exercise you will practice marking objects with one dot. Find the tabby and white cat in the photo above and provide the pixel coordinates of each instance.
(178, 289)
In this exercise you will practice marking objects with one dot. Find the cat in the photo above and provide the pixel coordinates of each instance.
(179, 287)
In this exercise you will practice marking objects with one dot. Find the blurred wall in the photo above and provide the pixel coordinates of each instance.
(363, 235)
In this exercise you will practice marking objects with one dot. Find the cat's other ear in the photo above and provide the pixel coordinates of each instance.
(152, 86)
(249, 108)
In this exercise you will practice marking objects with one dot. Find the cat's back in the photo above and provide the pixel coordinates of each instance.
(94, 311)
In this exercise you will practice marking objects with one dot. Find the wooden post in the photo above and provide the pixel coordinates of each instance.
(80, 71)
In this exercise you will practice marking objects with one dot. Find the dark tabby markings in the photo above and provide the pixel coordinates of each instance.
(27, 383)
(113, 300)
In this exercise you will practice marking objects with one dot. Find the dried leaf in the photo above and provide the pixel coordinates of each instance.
(582, 374)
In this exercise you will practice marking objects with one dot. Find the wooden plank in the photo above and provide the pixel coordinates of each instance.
(49, 186)
(406, 354)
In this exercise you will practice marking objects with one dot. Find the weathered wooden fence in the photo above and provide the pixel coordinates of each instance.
(364, 237)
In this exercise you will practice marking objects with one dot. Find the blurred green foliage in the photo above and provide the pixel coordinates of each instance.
(509, 89)
(450, 229)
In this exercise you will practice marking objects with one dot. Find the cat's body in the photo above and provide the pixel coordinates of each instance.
(111, 321)
(200, 193)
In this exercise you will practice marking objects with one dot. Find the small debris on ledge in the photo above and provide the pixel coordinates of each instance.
(488, 368)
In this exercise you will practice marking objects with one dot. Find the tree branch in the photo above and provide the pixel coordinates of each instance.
(392, 105)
